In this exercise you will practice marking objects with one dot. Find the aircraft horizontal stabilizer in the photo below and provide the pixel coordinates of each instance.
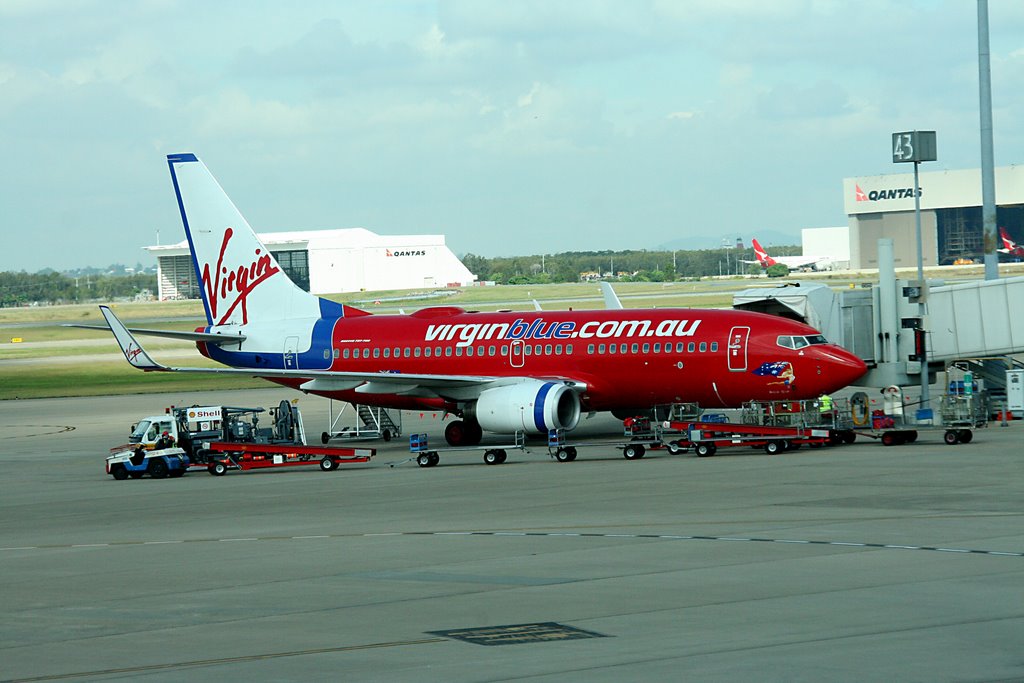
(208, 337)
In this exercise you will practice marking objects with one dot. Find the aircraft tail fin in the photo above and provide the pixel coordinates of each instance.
(1008, 244)
(763, 258)
(240, 281)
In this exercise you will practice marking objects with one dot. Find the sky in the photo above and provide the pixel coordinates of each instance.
(512, 127)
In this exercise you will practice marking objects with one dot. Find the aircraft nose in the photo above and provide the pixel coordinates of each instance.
(842, 368)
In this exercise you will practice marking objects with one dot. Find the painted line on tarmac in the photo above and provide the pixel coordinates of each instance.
(535, 534)
(223, 660)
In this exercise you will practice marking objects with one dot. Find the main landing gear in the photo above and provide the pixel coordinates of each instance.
(460, 433)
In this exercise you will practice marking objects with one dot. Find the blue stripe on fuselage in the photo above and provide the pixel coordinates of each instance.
(273, 359)
(331, 309)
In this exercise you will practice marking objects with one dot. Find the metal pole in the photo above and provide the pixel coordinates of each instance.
(925, 389)
(988, 174)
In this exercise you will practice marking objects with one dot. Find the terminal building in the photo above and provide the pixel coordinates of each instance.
(951, 222)
(333, 262)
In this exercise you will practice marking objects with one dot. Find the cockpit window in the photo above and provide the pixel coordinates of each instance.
(795, 342)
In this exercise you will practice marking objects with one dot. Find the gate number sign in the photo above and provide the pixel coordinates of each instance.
(916, 145)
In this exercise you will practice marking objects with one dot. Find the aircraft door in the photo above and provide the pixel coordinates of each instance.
(291, 353)
(516, 356)
(737, 348)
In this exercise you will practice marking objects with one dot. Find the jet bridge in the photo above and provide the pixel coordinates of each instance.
(971, 321)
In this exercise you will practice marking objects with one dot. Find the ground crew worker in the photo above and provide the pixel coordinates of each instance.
(825, 407)
(165, 441)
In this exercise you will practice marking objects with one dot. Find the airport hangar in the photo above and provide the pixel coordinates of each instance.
(951, 221)
(333, 262)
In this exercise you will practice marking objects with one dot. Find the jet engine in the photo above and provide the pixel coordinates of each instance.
(532, 406)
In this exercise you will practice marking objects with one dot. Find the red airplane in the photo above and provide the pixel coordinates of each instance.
(1009, 246)
(499, 372)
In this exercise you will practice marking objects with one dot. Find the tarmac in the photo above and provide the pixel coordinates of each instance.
(853, 563)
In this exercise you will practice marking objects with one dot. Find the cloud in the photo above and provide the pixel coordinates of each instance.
(819, 100)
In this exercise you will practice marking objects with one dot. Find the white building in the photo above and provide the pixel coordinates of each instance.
(831, 242)
(951, 221)
(333, 262)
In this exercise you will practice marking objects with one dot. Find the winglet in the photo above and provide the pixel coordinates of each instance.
(133, 351)
(611, 300)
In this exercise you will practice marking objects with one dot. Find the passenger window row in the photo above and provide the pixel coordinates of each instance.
(528, 350)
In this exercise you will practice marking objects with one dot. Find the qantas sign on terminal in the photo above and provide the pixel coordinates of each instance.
(500, 372)
(881, 195)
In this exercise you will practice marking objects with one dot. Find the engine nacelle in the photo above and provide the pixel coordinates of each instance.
(533, 406)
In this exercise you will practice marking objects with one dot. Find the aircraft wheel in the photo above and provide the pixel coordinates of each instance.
(157, 468)
(328, 464)
(633, 452)
(703, 450)
(462, 433)
(772, 447)
(218, 469)
(966, 435)
(119, 472)
(951, 437)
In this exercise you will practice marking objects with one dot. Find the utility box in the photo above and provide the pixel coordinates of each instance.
(1015, 392)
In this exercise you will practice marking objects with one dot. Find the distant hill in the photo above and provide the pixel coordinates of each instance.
(772, 238)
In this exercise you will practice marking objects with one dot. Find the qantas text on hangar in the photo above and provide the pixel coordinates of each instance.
(878, 195)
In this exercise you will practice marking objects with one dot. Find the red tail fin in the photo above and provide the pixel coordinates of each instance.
(1009, 244)
(763, 258)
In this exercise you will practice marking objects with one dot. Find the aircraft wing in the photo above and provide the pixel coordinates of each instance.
(327, 380)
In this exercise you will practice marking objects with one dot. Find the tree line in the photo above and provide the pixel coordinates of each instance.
(643, 265)
(22, 289)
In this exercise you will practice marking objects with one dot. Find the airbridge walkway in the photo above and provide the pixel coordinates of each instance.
(981, 323)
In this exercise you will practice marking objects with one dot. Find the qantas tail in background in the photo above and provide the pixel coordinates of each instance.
(1009, 246)
(763, 258)
(239, 280)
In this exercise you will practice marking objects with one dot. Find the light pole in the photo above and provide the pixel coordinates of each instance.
(914, 147)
